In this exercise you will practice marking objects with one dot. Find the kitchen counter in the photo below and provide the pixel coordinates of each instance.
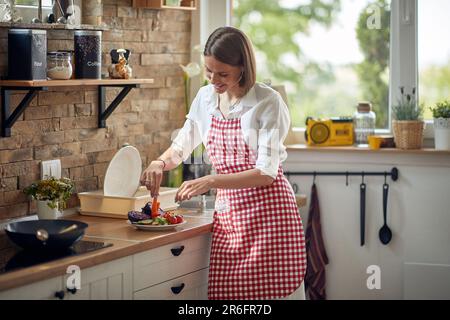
(126, 241)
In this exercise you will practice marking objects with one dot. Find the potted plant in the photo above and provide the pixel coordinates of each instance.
(51, 195)
(441, 115)
(408, 125)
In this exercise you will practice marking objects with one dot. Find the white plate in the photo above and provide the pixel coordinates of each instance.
(155, 227)
(123, 173)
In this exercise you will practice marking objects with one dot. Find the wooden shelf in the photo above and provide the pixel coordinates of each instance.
(51, 26)
(302, 147)
(73, 82)
(160, 4)
(8, 118)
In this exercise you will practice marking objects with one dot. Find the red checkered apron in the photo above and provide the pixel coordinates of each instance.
(258, 245)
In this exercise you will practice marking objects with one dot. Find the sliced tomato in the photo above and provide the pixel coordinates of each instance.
(172, 219)
(179, 219)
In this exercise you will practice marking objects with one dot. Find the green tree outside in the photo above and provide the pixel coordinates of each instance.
(273, 29)
(319, 90)
(434, 86)
(27, 2)
(373, 72)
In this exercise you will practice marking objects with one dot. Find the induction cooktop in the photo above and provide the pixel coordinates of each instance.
(13, 257)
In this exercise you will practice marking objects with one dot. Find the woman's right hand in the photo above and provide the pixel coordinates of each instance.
(152, 176)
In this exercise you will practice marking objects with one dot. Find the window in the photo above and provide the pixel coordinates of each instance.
(28, 9)
(45, 3)
(434, 53)
(329, 54)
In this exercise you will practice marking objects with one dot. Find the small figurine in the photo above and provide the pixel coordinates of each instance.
(119, 69)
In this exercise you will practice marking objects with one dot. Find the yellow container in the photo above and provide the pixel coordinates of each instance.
(375, 142)
(95, 203)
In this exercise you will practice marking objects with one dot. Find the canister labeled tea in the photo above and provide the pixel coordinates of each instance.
(27, 49)
(88, 54)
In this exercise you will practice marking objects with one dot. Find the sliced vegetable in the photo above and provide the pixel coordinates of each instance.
(155, 208)
(148, 221)
(135, 216)
(161, 221)
(147, 209)
(179, 219)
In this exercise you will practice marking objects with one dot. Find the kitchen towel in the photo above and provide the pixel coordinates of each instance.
(315, 250)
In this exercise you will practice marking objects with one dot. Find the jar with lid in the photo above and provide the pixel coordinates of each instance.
(364, 123)
(59, 65)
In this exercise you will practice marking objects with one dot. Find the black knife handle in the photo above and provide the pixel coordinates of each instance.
(362, 212)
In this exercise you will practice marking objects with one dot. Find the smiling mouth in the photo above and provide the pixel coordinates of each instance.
(219, 86)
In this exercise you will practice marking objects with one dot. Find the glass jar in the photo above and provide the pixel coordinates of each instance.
(364, 123)
(59, 65)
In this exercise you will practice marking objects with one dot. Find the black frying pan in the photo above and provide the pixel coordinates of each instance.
(23, 234)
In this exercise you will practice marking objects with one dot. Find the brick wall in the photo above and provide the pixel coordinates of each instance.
(62, 123)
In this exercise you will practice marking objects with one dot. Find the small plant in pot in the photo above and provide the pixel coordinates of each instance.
(408, 124)
(441, 115)
(51, 195)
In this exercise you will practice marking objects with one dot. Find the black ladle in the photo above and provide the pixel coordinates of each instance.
(385, 233)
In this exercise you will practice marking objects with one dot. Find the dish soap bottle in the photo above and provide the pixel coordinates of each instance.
(364, 123)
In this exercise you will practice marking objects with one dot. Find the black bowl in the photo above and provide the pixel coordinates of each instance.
(23, 234)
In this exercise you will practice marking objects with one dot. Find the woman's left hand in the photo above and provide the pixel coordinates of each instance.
(192, 188)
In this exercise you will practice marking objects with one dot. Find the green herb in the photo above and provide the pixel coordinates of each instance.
(406, 108)
(161, 221)
(55, 191)
(441, 110)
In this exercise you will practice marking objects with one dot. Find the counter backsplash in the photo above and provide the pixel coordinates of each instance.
(62, 123)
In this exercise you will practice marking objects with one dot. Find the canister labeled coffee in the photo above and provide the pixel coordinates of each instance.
(88, 54)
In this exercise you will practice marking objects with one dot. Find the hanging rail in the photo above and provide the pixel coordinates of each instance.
(393, 173)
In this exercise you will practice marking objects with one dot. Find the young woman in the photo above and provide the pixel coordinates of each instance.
(258, 246)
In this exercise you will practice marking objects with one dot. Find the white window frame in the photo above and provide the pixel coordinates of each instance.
(28, 12)
(403, 48)
(210, 15)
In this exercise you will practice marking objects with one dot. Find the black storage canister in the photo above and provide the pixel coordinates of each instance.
(27, 54)
(88, 54)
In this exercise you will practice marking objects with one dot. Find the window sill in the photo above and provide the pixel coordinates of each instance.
(355, 149)
(51, 26)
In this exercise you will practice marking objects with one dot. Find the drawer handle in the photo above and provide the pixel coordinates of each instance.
(177, 290)
(59, 295)
(72, 290)
(177, 251)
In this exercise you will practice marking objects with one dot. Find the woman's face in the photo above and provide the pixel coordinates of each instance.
(223, 77)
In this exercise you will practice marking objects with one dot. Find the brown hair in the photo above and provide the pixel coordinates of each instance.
(231, 46)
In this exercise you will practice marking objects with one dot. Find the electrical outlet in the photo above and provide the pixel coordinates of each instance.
(51, 168)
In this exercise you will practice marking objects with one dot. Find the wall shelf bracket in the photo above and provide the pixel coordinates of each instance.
(8, 118)
(103, 111)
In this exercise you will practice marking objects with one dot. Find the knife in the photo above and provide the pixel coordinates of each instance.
(362, 188)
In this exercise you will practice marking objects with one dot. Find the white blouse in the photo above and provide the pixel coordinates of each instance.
(265, 124)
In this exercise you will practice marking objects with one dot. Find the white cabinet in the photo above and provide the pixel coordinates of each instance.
(111, 280)
(106, 281)
(175, 271)
(42, 290)
(193, 286)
